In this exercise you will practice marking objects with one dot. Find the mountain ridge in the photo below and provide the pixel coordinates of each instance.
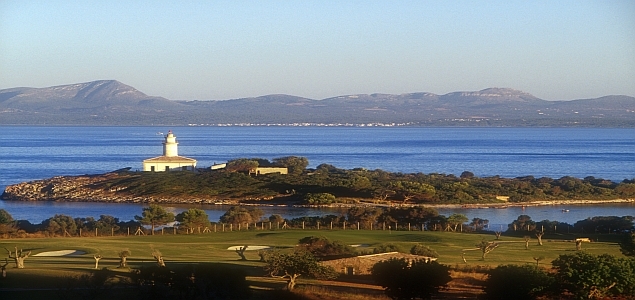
(110, 102)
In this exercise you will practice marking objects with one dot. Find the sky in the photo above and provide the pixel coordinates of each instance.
(218, 50)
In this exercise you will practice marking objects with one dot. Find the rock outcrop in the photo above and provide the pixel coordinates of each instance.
(86, 188)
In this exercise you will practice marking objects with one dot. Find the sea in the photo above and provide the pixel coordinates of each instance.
(38, 152)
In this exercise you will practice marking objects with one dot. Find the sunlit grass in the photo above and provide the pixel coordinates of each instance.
(182, 250)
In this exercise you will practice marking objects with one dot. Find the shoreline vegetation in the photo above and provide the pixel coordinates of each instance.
(324, 186)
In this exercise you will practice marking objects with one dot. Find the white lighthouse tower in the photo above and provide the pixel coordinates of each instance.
(170, 160)
(170, 145)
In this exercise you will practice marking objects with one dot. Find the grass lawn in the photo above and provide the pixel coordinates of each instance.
(182, 250)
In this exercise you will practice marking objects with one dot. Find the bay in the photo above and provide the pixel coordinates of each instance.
(30, 153)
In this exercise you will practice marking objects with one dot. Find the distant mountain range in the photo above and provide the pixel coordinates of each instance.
(109, 102)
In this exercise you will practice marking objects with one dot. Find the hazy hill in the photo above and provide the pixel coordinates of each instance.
(109, 102)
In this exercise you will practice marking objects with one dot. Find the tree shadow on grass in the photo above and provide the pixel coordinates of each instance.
(265, 234)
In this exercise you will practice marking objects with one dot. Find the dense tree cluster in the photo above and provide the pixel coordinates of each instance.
(605, 224)
(357, 217)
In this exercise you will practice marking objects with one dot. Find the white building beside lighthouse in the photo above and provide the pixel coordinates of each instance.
(170, 160)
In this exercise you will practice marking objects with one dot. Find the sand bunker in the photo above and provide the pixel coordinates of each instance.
(60, 253)
(249, 247)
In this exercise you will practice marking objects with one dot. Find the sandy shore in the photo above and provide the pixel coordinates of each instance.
(479, 205)
(532, 203)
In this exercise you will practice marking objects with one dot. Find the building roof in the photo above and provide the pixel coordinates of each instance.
(170, 159)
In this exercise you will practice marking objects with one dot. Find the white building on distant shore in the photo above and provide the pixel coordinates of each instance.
(170, 160)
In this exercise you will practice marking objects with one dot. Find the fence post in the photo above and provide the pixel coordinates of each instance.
(408, 226)
(174, 230)
(95, 232)
(384, 226)
(357, 225)
(318, 224)
(112, 231)
(302, 224)
(128, 230)
(80, 232)
(331, 225)
(344, 227)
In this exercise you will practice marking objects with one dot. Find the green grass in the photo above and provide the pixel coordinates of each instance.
(48, 272)
(213, 246)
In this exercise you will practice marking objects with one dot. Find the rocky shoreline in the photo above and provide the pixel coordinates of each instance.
(87, 188)
(93, 188)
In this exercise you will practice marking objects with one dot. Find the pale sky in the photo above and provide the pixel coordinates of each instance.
(217, 50)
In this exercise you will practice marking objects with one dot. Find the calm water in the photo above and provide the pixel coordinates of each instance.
(29, 153)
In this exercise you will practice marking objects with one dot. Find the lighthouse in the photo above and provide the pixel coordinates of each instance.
(170, 145)
(170, 160)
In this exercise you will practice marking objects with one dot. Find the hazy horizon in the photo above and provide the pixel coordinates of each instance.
(224, 50)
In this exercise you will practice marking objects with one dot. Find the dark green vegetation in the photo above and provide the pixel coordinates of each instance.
(522, 282)
(403, 279)
(595, 276)
(324, 248)
(327, 184)
(295, 264)
(109, 102)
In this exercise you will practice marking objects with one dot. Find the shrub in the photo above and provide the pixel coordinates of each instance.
(319, 198)
(323, 247)
(387, 247)
(423, 250)
(517, 282)
(402, 279)
(296, 264)
(206, 281)
(590, 276)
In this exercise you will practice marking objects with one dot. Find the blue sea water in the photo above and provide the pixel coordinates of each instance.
(30, 153)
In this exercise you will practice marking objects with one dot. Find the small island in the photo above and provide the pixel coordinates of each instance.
(171, 178)
(239, 182)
